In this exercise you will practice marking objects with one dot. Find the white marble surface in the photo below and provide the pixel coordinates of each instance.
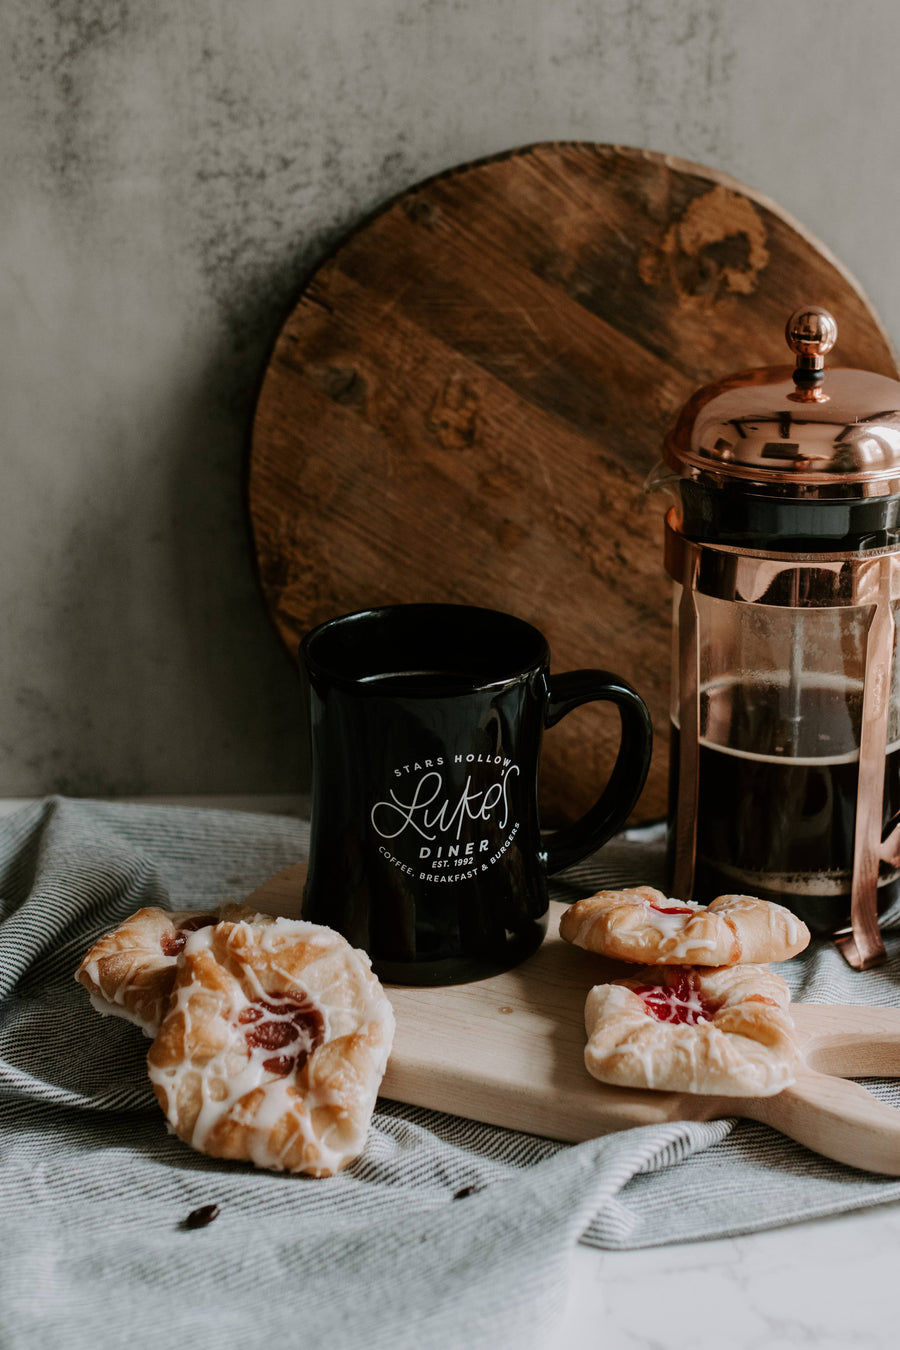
(830, 1283)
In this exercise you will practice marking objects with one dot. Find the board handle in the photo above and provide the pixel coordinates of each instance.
(834, 1117)
(849, 1040)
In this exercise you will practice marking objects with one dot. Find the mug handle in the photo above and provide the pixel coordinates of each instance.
(611, 810)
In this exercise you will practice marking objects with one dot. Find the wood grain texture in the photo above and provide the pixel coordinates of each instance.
(467, 399)
(509, 1051)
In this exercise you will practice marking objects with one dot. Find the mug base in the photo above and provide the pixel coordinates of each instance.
(466, 969)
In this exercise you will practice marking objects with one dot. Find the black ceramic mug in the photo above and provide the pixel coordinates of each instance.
(426, 728)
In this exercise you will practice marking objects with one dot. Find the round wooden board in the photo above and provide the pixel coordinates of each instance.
(467, 399)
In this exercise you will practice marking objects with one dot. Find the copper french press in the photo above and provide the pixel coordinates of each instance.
(784, 547)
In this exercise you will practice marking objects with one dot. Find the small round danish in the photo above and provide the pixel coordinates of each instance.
(725, 1031)
(274, 1046)
(640, 924)
(130, 971)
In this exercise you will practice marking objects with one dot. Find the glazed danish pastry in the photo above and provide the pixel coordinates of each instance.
(274, 1046)
(130, 971)
(640, 924)
(725, 1031)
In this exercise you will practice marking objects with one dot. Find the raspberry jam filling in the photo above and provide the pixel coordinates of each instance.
(173, 944)
(671, 909)
(288, 1023)
(680, 1001)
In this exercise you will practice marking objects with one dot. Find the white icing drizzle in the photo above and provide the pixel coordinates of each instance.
(229, 1077)
(136, 963)
(678, 931)
(783, 926)
(693, 1005)
(129, 969)
(627, 1046)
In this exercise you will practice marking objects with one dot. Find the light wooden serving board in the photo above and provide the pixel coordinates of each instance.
(509, 1051)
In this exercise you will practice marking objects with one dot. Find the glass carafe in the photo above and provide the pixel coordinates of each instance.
(780, 720)
(784, 547)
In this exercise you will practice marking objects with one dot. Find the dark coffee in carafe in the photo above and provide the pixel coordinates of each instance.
(779, 821)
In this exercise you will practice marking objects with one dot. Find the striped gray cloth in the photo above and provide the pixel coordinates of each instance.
(445, 1233)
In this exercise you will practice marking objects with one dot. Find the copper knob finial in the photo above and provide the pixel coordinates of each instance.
(811, 332)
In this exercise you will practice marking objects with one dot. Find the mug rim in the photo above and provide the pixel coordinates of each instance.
(512, 674)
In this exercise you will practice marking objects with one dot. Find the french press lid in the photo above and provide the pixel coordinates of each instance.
(803, 458)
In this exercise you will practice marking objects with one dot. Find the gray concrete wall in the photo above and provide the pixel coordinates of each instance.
(172, 169)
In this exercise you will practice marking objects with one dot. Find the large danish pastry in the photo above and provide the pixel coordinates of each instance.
(274, 1046)
(640, 924)
(130, 971)
(725, 1031)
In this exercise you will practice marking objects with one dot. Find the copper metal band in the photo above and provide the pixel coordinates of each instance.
(863, 946)
(812, 580)
(689, 723)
